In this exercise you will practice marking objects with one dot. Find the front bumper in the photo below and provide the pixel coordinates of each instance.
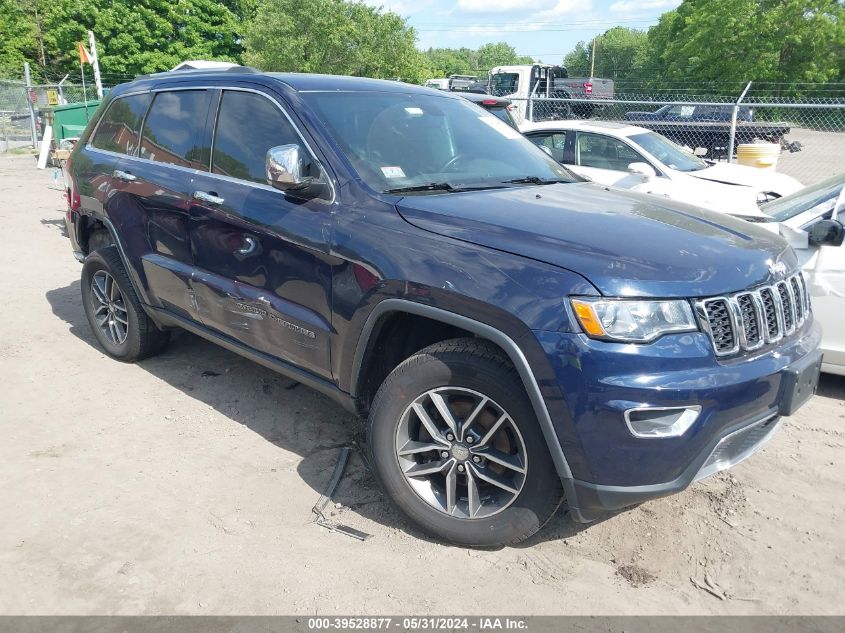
(739, 443)
(741, 400)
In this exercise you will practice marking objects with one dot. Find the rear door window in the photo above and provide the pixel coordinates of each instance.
(118, 129)
(554, 142)
(248, 124)
(604, 152)
(173, 129)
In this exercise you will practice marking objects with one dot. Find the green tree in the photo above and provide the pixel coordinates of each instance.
(18, 38)
(333, 36)
(499, 54)
(621, 55)
(132, 36)
(466, 61)
(577, 61)
(785, 41)
(452, 61)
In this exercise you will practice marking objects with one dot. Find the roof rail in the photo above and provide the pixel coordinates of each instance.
(199, 71)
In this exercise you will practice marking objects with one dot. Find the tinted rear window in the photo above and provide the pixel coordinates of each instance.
(173, 128)
(502, 113)
(118, 130)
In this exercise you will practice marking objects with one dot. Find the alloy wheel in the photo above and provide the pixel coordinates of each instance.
(109, 307)
(461, 452)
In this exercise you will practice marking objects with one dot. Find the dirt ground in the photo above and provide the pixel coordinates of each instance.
(184, 485)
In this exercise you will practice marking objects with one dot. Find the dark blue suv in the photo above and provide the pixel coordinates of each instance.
(515, 337)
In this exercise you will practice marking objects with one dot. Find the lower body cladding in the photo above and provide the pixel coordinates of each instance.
(637, 422)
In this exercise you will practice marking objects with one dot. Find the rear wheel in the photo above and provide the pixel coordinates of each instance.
(455, 443)
(114, 312)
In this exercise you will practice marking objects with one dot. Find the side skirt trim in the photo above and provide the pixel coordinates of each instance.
(271, 362)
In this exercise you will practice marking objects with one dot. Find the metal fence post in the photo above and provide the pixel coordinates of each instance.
(734, 114)
(29, 101)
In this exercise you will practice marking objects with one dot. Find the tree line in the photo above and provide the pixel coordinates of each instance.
(701, 43)
(142, 36)
(790, 47)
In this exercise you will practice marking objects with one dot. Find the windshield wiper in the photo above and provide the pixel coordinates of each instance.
(439, 186)
(534, 180)
(432, 186)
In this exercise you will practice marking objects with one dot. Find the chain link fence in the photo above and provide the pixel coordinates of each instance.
(810, 132)
(20, 106)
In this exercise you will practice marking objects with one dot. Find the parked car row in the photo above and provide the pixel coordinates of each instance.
(517, 336)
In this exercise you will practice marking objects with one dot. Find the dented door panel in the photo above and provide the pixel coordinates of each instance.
(263, 272)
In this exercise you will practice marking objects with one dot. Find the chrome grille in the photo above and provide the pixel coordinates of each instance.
(750, 319)
(719, 322)
(747, 320)
(798, 299)
(788, 310)
(770, 312)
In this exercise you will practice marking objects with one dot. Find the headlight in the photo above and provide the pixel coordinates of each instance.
(633, 321)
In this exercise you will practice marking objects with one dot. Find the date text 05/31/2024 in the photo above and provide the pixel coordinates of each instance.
(418, 623)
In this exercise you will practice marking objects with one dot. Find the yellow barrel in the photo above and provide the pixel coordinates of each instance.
(760, 155)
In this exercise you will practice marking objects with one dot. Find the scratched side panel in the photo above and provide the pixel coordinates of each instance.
(263, 273)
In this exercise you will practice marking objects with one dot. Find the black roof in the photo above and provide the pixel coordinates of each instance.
(301, 82)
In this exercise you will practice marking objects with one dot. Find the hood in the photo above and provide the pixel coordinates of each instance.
(624, 243)
(708, 194)
(759, 179)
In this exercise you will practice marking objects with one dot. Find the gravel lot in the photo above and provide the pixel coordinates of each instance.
(820, 158)
(184, 485)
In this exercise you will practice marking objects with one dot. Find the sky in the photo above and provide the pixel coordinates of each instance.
(544, 29)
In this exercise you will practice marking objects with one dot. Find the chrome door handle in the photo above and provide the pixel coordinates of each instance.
(210, 198)
(249, 246)
(125, 176)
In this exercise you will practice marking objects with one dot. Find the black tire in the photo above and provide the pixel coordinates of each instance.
(476, 365)
(142, 338)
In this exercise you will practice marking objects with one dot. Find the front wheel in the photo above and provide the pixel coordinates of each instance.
(454, 441)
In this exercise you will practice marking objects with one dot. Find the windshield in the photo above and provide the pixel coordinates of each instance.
(399, 141)
(671, 155)
(822, 195)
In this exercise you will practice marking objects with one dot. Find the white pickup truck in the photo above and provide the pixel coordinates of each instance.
(547, 86)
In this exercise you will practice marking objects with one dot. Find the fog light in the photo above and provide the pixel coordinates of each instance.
(650, 422)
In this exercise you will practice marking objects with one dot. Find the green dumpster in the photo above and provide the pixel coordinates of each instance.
(70, 120)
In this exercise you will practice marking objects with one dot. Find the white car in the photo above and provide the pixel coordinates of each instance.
(811, 221)
(632, 157)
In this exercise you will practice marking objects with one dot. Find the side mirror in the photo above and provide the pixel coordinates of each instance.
(700, 151)
(643, 169)
(547, 150)
(284, 167)
(287, 172)
(826, 233)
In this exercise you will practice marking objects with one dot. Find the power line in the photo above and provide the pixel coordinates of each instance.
(498, 29)
(558, 24)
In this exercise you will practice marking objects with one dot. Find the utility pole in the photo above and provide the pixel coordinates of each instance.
(593, 58)
(29, 94)
(96, 64)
